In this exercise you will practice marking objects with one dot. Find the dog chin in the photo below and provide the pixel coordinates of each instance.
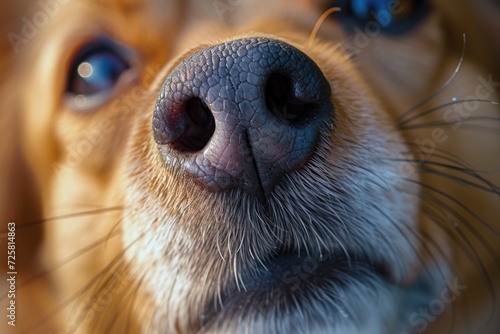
(294, 293)
(328, 302)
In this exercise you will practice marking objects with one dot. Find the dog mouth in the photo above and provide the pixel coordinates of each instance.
(267, 265)
(290, 282)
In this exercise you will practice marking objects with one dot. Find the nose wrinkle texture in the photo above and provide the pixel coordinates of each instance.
(251, 147)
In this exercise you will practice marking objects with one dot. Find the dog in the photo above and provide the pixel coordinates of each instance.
(250, 166)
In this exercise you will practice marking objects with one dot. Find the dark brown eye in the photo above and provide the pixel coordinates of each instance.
(390, 16)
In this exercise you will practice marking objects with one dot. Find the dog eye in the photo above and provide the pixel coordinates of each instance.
(386, 16)
(95, 72)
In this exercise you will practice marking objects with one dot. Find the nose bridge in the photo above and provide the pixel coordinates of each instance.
(236, 100)
(248, 86)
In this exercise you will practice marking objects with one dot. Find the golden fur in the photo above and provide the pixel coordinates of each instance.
(139, 233)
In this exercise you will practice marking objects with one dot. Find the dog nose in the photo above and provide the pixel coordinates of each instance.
(242, 114)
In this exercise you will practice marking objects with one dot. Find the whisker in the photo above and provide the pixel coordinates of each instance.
(462, 220)
(442, 225)
(70, 258)
(457, 202)
(466, 170)
(133, 303)
(480, 128)
(412, 231)
(93, 298)
(71, 215)
(470, 251)
(401, 117)
(459, 180)
(491, 187)
(438, 108)
(434, 203)
(320, 22)
(449, 124)
(81, 291)
(128, 298)
(446, 156)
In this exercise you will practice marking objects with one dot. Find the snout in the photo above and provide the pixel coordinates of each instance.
(242, 114)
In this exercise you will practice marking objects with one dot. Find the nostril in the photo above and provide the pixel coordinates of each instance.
(242, 114)
(200, 126)
(281, 101)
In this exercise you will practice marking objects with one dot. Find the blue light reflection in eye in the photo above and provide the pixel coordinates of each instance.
(391, 17)
(362, 8)
(96, 70)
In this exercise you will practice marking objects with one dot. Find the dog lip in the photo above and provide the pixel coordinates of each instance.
(290, 278)
(289, 269)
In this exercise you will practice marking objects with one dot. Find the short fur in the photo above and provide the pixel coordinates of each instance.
(115, 239)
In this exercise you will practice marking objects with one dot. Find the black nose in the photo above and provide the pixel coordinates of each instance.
(242, 114)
